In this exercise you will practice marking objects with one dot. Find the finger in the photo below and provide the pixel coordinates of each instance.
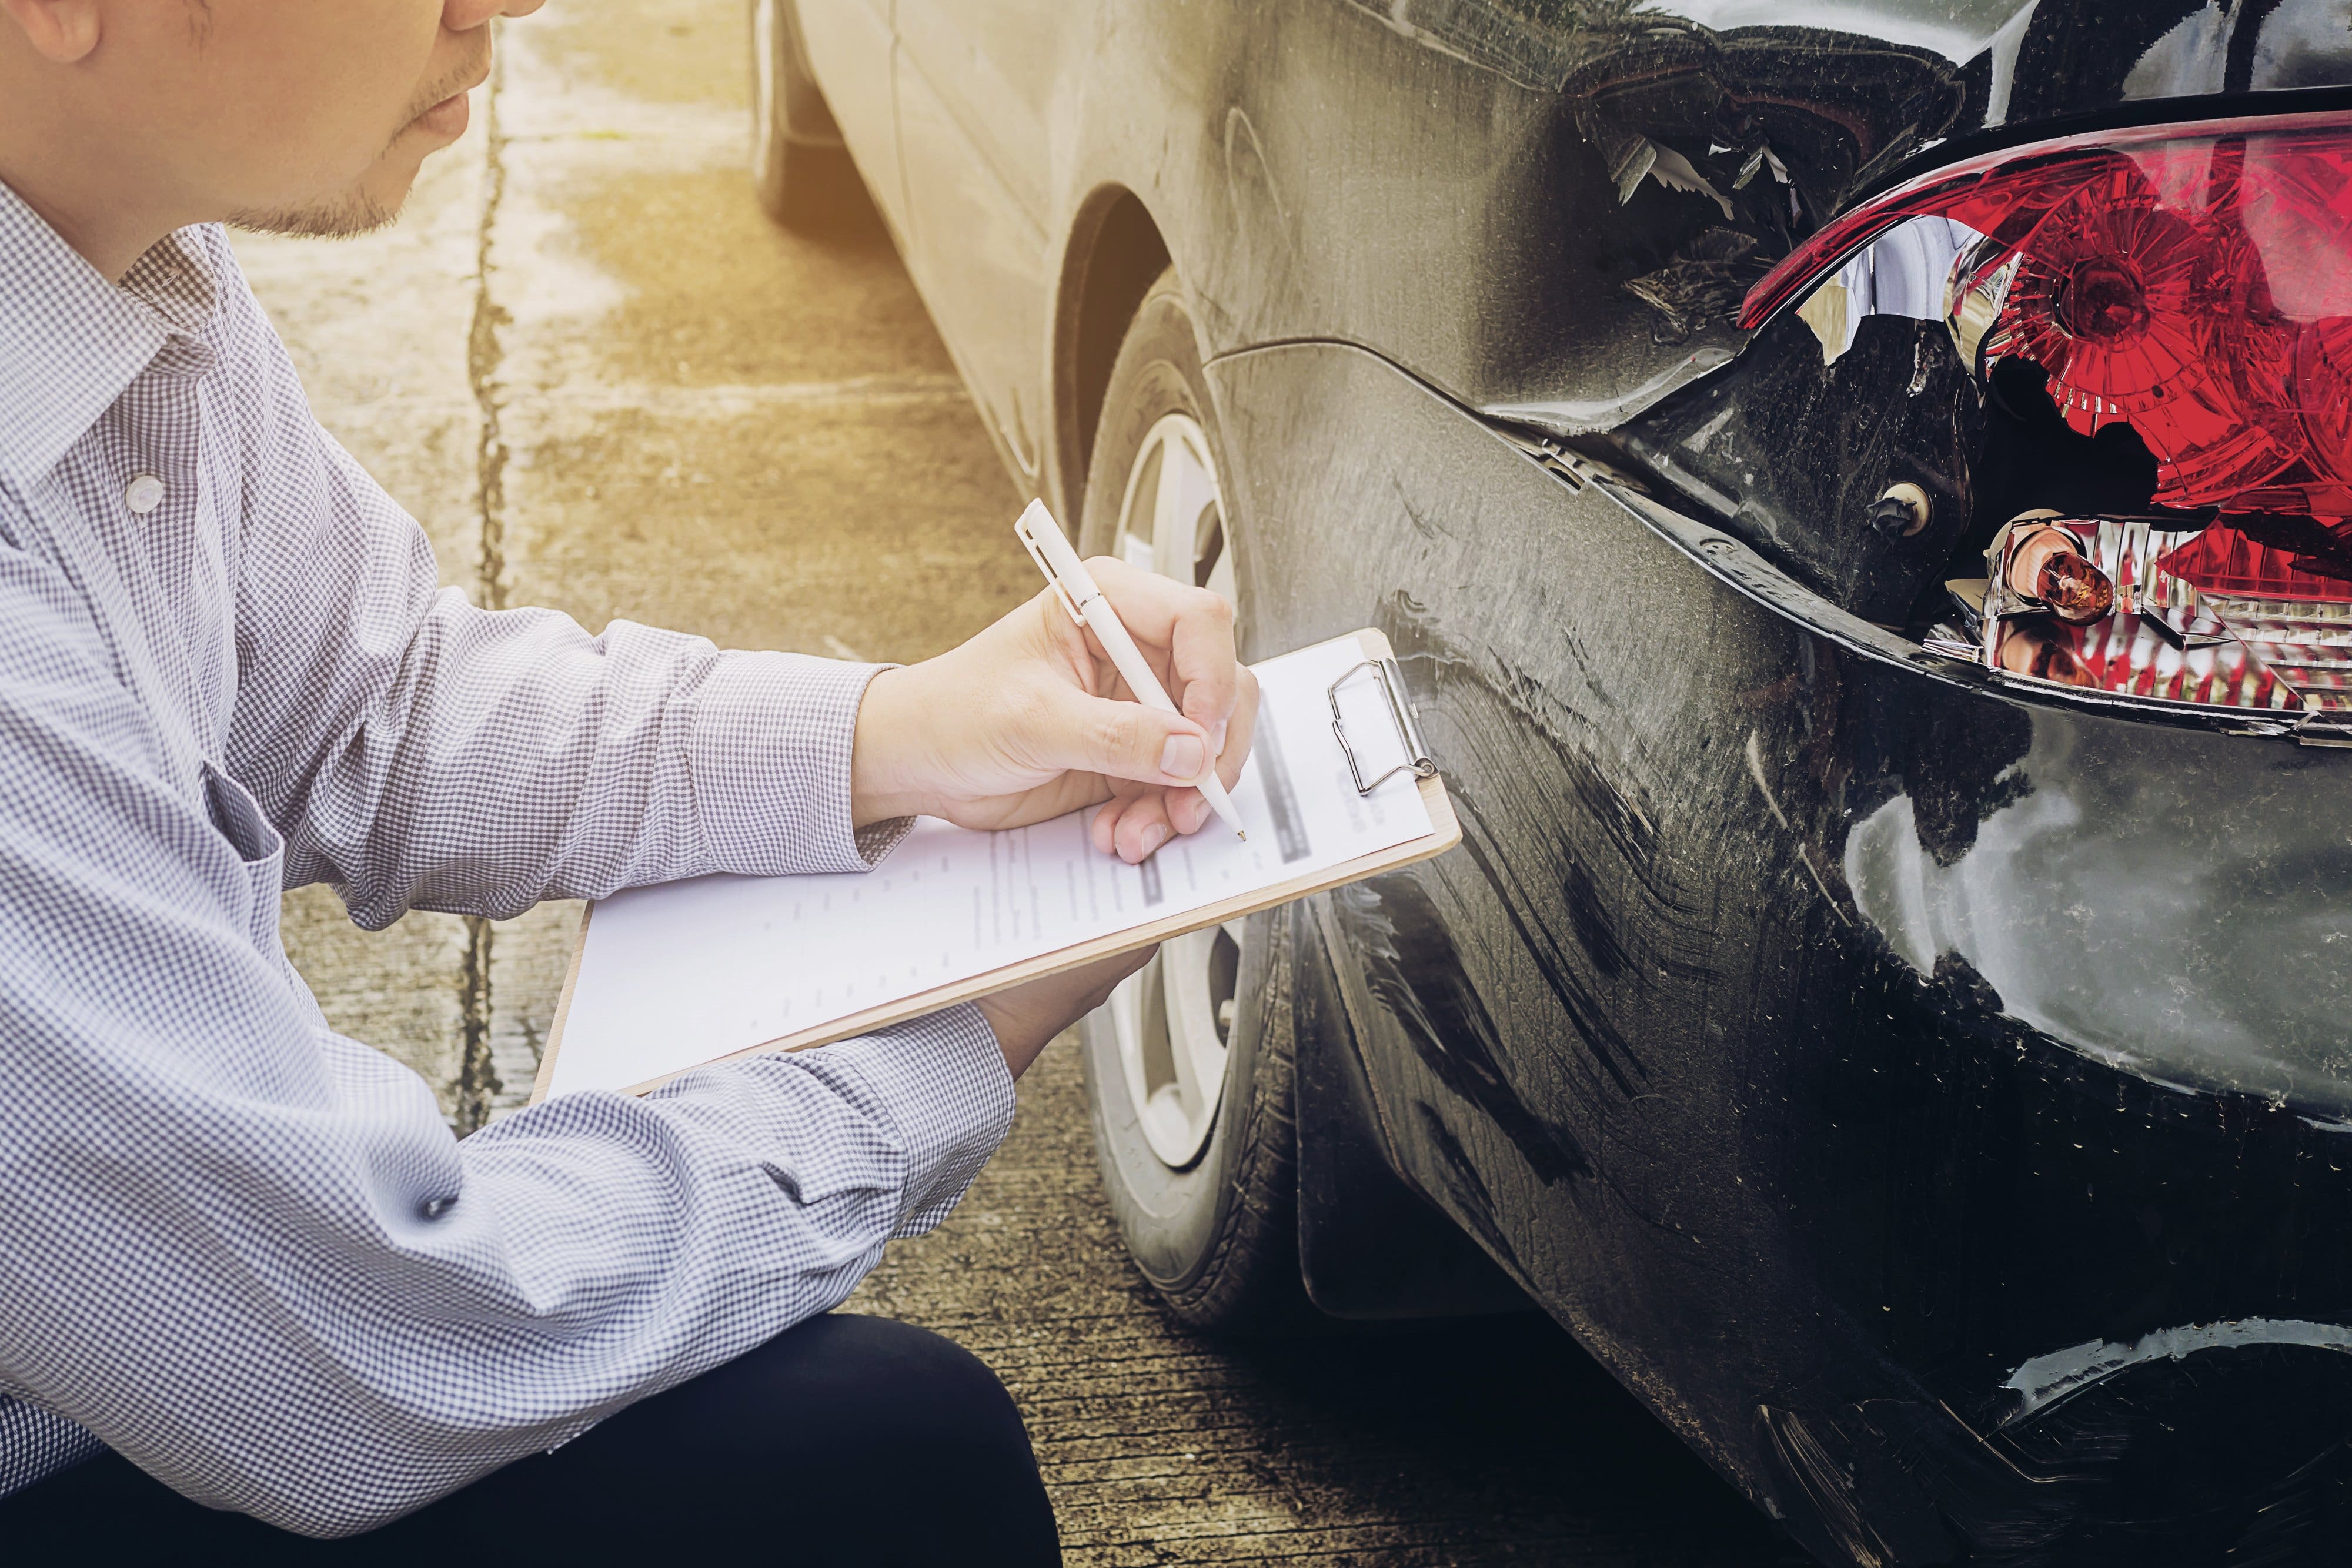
(1144, 827)
(1240, 730)
(1207, 669)
(1190, 629)
(1118, 793)
(1132, 826)
(1069, 643)
(1117, 740)
(1188, 809)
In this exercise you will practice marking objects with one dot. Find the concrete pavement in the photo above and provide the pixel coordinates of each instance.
(605, 383)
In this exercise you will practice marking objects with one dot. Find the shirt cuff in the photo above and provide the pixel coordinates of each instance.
(943, 1081)
(770, 751)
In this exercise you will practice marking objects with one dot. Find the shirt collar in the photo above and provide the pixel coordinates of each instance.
(71, 341)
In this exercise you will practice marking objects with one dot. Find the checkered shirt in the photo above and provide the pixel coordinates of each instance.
(236, 1248)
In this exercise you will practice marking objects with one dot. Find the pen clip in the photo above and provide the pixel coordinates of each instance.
(1029, 542)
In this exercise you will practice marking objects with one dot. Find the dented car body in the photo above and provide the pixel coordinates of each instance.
(1927, 1083)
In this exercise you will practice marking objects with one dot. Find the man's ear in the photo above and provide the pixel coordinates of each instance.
(62, 32)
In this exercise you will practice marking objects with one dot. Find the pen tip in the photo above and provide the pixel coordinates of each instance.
(1241, 835)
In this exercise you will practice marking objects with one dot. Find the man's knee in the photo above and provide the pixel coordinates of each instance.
(888, 1408)
(896, 1385)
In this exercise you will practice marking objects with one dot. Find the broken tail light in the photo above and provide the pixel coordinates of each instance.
(2195, 284)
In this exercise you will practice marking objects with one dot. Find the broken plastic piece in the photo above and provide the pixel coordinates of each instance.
(1702, 285)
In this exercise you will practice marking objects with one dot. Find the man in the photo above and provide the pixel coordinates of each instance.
(256, 1303)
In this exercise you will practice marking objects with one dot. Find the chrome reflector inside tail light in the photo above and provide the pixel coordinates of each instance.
(2195, 284)
(2163, 640)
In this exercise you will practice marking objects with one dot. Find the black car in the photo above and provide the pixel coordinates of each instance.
(1860, 491)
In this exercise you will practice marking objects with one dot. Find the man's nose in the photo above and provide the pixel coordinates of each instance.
(464, 16)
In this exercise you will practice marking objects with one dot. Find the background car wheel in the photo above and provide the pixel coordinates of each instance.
(1188, 1068)
(799, 170)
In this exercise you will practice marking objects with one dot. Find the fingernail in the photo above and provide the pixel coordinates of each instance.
(1153, 837)
(1182, 757)
(1217, 739)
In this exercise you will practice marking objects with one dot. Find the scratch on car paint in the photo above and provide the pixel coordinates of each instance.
(1583, 1010)
(1491, 712)
(1569, 417)
(1521, 49)
(1473, 1200)
(1804, 852)
(1756, 771)
(1826, 1484)
(1592, 835)
(2047, 1379)
(1412, 969)
(1561, 837)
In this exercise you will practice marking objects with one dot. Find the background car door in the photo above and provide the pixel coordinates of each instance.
(973, 79)
(850, 48)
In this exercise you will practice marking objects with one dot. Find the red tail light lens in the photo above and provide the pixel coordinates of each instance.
(2196, 284)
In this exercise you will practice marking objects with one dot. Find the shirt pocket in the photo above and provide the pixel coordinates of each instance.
(237, 817)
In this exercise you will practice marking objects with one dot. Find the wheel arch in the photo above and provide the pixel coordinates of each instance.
(808, 118)
(1115, 251)
(1369, 1246)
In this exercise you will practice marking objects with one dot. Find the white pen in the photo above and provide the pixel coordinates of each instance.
(1068, 578)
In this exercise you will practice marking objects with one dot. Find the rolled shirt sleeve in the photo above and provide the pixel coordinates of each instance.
(420, 751)
(245, 1252)
(248, 1254)
(744, 757)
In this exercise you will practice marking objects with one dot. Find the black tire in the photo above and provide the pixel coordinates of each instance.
(1219, 1239)
(801, 171)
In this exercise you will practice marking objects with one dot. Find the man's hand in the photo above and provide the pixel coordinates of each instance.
(1029, 720)
(1027, 1016)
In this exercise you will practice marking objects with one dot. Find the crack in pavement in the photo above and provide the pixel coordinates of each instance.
(477, 1079)
(730, 400)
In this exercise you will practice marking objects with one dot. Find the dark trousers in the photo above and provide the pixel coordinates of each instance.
(847, 1440)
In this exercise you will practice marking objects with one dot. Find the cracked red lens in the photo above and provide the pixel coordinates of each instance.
(2103, 300)
(2195, 283)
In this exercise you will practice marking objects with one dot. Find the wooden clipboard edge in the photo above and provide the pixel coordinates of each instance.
(1444, 833)
(545, 1077)
(971, 988)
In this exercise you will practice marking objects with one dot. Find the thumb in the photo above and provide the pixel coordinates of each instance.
(1125, 740)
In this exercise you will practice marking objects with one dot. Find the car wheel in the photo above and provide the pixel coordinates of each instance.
(800, 169)
(1188, 1068)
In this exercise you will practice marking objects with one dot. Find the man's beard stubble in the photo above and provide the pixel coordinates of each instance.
(346, 217)
(353, 213)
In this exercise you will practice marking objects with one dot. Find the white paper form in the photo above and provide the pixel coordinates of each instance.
(683, 973)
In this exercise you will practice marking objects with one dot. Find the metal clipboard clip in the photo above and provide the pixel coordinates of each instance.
(1418, 763)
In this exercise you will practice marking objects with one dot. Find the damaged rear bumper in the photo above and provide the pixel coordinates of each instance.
(1934, 1103)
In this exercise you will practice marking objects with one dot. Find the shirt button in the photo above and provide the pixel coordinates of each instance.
(143, 494)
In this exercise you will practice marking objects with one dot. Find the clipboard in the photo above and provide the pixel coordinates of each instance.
(1378, 669)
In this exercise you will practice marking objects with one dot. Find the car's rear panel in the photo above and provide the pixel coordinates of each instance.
(1926, 1088)
(1930, 1089)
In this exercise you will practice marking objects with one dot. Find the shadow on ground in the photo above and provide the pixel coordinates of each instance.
(1474, 1442)
(1508, 1410)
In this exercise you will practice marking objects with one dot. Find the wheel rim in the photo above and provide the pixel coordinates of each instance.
(1174, 1017)
(764, 87)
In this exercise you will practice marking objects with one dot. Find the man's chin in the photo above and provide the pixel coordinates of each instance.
(340, 219)
(371, 204)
